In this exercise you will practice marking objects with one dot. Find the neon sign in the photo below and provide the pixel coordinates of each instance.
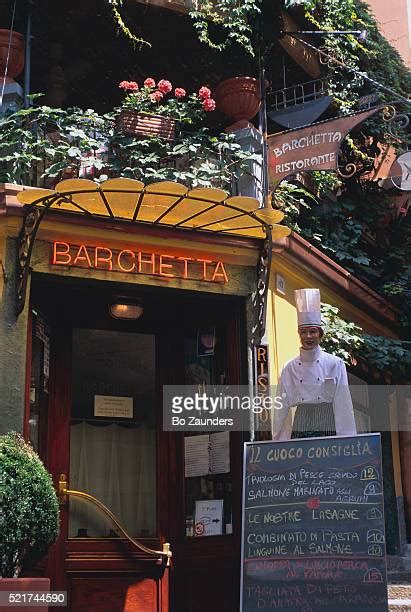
(127, 261)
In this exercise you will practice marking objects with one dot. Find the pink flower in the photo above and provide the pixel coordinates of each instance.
(208, 104)
(164, 86)
(156, 96)
(149, 83)
(128, 85)
(204, 93)
(132, 86)
(179, 92)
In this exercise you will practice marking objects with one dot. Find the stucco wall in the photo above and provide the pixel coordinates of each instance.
(394, 19)
(13, 345)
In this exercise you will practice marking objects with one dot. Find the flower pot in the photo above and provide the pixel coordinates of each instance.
(16, 58)
(239, 99)
(141, 125)
(19, 586)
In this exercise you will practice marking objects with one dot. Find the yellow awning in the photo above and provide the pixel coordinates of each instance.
(165, 204)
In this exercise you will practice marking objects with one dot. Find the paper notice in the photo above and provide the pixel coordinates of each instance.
(208, 519)
(220, 452)
(112, 406)
(196, 455)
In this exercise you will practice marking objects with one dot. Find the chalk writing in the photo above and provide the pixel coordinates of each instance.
(307, 542)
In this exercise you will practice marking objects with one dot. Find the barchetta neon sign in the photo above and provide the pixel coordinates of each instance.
(138, 262)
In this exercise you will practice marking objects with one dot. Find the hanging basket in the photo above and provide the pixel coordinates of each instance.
(141, 125)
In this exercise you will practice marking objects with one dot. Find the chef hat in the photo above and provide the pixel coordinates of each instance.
(308, 302)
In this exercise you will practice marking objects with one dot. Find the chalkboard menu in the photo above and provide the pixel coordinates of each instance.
(313, 526)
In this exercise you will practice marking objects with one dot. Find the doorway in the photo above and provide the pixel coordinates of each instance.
(98, 420)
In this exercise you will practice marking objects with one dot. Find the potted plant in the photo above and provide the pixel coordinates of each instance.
(239, 99)
(9, 39)
(154, 109)
(29, 520)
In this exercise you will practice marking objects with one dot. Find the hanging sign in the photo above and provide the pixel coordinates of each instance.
(315, 147)
(163, 265)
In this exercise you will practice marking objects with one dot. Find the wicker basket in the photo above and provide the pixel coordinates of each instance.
(141, 125)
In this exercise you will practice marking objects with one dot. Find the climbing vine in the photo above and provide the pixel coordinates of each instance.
(218, 23)
(357, 225)
(376, 57)
(348, 341)
(233, 17)
(116, 6)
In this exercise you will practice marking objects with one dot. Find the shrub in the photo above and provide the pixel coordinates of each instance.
(29, 517)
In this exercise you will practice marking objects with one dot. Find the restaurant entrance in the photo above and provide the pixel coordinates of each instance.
(95, 417)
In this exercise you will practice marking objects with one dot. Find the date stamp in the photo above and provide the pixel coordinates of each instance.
(19, 599)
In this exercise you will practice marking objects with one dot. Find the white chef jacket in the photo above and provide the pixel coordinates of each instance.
(314, 377)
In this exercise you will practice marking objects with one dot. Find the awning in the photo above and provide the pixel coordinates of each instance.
(167, 204)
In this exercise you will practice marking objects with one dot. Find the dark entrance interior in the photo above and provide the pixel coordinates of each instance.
(95, 414)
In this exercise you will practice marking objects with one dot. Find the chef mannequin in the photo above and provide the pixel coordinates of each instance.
(314, 381)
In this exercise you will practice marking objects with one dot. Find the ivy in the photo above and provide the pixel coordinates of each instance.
(116, 6)
(347, 340)
(42, 145)
(375, 57)
(356, 224)
(233, 18)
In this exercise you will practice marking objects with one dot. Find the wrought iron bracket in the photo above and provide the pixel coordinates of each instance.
(31, 222)
(259, 297)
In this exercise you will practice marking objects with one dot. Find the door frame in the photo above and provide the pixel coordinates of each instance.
(65, 557)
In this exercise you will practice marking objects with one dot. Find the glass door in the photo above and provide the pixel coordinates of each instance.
(113, 432)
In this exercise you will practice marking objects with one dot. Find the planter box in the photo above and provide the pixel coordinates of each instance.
(16, 585)
(142, 126)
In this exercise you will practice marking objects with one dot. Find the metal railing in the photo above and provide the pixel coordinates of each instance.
(297, 94)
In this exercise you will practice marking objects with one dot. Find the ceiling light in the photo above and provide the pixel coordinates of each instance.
(126, 308)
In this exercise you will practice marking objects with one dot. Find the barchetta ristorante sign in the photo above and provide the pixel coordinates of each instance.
(311, 148)
(136, 261)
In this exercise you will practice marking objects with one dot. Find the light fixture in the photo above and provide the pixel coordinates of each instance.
(126, 308)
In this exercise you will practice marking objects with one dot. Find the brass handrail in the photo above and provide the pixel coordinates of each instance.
(63, 491)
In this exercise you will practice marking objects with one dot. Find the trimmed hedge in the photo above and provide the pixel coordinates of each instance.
(29, 517)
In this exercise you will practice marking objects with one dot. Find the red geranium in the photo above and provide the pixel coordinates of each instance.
(164, 86)
(209, 104)
(149, 83)
(204, 93)
(163, 100)
(156, 96)
(128, 85)
(179, 92)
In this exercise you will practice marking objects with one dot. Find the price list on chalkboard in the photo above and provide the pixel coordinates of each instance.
(313, 526)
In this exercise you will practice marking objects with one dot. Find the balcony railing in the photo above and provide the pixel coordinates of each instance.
(297, 94)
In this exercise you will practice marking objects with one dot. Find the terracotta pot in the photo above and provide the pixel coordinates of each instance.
(239, 99)
(141, 125)
(16, 59)
(21, 585)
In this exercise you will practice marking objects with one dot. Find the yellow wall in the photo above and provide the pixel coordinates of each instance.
(284, 340)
